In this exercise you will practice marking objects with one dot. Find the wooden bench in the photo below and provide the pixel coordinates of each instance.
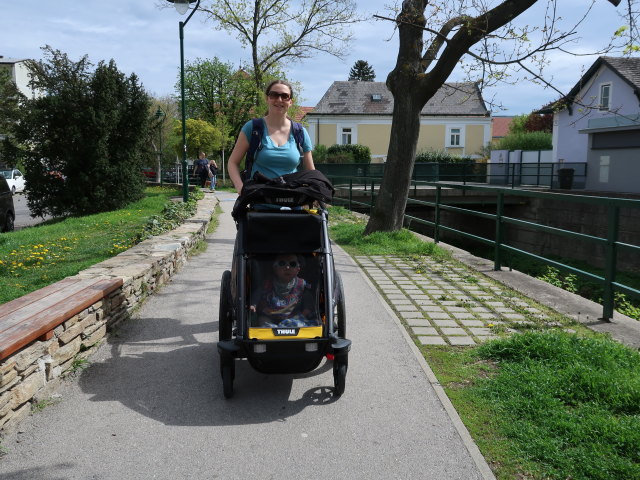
(34, 316)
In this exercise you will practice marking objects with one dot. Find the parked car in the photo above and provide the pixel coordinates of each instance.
(15, 179)
(7, 210)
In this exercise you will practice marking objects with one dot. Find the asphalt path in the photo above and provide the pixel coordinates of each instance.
(151, 403)
(23, 214)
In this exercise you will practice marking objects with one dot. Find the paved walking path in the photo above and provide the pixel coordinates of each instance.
(151, 404)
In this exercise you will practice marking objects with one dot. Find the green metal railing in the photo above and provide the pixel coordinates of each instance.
(514, 174)
(611, 244)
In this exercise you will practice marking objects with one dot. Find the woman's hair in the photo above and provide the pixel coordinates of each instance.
(279, 82)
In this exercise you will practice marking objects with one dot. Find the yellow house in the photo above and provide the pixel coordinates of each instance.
(455, 120)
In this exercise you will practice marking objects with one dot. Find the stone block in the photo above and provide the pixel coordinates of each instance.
(431, 340)
(95, 337)
(77, 328)
(30, 354)
(25, 391)
(67, 351)
(8, 377)
(461, 341)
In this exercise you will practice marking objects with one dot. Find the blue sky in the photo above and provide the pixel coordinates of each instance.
(143, 38)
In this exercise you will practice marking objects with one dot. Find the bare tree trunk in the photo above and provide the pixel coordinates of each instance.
(394, 190)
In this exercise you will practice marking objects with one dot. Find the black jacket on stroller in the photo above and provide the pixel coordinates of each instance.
(291, 190)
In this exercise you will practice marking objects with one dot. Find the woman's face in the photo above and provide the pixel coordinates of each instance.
(275, 98)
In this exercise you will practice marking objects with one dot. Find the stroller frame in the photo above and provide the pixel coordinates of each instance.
(282, 349)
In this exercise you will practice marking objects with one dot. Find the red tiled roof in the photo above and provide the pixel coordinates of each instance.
(302, 113)
(500, 126)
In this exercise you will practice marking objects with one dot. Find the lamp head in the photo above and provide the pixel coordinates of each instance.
(159, 113)
(615, 2)
(182, 6)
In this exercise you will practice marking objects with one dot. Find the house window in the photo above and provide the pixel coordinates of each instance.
(605, 96)
(455, 137)
(346, 136)
(376, 97)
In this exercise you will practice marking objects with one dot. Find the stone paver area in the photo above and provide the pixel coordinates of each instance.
(446, 304)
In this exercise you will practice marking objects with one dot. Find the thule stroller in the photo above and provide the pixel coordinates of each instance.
(291, 333)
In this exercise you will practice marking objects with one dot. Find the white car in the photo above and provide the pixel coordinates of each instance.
(15, 179)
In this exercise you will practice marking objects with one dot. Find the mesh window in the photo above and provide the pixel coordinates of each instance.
(283, 290)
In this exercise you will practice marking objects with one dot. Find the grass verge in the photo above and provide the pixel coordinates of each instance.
(35, 257)
(542, 404)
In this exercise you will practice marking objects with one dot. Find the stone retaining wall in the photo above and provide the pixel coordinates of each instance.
(34, 373)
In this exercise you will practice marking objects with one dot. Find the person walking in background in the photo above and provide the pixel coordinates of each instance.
(213, 175)
(202, 169)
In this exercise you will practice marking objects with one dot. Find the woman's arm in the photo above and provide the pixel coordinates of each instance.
(233, 166)
(307, 161)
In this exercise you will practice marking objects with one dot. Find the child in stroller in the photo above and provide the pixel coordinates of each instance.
(284, 299)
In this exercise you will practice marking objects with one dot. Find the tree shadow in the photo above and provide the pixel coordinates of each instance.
(176, 380)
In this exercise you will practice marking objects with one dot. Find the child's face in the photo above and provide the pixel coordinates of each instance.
(286, 267)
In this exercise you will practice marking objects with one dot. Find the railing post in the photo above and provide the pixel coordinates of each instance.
(611, 259)
(350, 192)
(436, 220)
(497, 260)
(372, 190)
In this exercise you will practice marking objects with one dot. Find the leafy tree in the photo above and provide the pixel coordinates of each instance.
(201, 137)
(86, 137)
(282, 30)
(219, 93)
(362, 71)
(539, 123)
(481, 37)
(10, 98)
(518, 123)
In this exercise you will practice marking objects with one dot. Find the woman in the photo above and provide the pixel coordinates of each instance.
(279, 154)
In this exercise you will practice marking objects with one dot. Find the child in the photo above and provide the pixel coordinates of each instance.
(285, 300)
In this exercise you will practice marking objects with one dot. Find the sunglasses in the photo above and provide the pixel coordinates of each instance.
(283, 264)
(276, 95)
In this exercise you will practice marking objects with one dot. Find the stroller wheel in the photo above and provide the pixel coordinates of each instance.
(339, 377)
(228, 373)
(341, 313)
(225, 322)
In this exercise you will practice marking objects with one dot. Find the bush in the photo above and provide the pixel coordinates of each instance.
(352, 153)
(525, 141)
(320, 154)
(440, 156)
(86, 139)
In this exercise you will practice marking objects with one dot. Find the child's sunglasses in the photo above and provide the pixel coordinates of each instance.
(283, 264)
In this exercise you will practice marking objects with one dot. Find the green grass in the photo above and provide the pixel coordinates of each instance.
(543, 404)
(35, 257)
(348, 231)
(548, 405)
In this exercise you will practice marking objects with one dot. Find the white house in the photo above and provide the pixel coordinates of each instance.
(19, 74)
(598, 122)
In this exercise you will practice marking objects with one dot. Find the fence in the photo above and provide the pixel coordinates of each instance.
(609, 242)
(540, 174)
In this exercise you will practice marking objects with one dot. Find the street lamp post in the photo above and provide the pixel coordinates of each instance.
(182, 6)
(160, 115)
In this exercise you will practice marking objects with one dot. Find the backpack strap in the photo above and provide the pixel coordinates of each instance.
(255, 144)
(298, 135)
